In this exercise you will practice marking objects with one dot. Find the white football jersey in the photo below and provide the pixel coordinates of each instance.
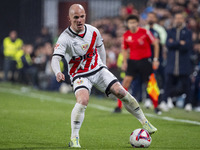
(80, 51)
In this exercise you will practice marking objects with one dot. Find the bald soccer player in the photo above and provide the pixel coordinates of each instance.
(82, 46)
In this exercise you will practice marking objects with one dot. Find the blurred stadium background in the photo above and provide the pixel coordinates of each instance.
(39, 23)
(29, 16)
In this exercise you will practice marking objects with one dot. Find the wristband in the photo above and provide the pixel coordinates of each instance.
(155, 59)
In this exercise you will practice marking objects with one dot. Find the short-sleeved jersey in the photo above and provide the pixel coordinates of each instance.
(139, 43)
(80, 51)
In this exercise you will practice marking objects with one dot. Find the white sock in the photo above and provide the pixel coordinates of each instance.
(133, 107)
(77, 117)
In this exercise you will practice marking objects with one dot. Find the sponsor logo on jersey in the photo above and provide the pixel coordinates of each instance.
(85, 47)
(79, 82)
(86, 56)
(56, 46)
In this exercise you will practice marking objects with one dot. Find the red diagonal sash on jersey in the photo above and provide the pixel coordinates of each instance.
(88, 60)
(90, 52)
(95, 62)
(76, 63)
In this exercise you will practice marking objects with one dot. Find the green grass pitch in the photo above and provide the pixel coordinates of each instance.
(31, 119)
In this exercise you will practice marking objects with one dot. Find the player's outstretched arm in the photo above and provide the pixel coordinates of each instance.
(55, 64)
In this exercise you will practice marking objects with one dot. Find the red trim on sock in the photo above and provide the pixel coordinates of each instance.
(119, 103)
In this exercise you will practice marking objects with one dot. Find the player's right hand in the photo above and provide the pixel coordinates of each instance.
(60, 77)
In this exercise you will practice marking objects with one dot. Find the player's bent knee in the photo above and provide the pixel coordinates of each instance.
(118, 90)
(83, 101)
(82, 96)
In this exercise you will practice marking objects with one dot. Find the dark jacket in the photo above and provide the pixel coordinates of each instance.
(178, 57)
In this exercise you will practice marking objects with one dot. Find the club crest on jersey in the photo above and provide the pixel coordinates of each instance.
(85, 47)
(79, 82)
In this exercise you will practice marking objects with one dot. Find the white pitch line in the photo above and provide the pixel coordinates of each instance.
(42, 97)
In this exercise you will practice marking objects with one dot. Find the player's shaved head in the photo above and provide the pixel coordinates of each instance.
(75, 8)
(77, 17)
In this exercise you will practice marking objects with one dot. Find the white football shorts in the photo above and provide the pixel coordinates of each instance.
(102, 80)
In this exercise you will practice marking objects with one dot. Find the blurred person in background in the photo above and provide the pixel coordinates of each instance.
(178, 68)
(195, 78)
(27, 71)
(138, 41)
(157, 30)
(11, 45)
(40, 58)
(43, 37)
(160, 34)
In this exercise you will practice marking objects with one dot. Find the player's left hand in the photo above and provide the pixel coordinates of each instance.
(60, 77)
(155, 64)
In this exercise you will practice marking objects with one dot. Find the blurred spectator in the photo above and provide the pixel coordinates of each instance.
(195, 78)
(152, 21)
(161, 35)
(11, 45)
(27, 71)
(42, 57)
(43, 37)
(179, 44)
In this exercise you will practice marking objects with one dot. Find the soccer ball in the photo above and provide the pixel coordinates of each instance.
(140, 138)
